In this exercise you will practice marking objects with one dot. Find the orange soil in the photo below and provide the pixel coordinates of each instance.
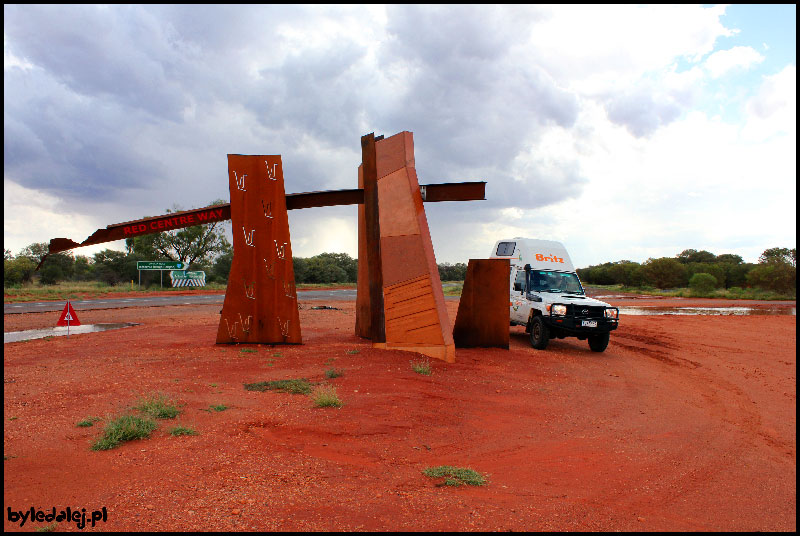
(684, 423)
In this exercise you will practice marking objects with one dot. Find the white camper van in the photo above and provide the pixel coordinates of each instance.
(546, 295)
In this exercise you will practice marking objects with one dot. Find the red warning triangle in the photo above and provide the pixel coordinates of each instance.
(68, 315)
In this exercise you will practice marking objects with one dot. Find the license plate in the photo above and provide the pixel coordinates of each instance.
(589, 323)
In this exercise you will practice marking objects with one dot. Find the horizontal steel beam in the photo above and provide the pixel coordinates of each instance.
(456, 191)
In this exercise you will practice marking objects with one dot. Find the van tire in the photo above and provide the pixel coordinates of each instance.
(598, 343)
(540, 334)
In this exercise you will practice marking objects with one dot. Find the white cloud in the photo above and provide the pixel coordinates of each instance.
(722, 62)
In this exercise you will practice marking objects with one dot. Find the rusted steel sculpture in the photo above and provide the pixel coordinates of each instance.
(261, 300)
(400, 299)
(393, 232)
(483, 315)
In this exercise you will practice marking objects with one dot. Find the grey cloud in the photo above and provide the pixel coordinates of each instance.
(105, 76)
(641, 113)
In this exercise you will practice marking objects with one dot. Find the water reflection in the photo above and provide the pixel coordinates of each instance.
(16, 336)
(729, 311)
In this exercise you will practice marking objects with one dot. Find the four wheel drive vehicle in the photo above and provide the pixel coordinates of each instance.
(546, 295)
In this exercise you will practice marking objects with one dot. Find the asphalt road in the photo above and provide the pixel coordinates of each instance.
(160, 301)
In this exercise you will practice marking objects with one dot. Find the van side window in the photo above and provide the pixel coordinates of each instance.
(519, 282)
(505, 249)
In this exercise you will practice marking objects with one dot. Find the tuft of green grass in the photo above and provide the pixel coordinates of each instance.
(298, 386)
(421, 367)
(181, 430)
(248, 351)
(158, 406)
(125, 428)
(333, 373)
(87, 422)
(218, 407)
(353, 352)
(456, 476)
(325, 396)
(47, 528)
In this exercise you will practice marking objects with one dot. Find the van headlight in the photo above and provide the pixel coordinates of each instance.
(560, 310)
(612, 314)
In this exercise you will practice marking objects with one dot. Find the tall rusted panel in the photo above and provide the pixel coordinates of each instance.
(261, 300)
(483, 315)
(415, 316)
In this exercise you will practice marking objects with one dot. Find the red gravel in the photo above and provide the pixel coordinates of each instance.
(684, 423)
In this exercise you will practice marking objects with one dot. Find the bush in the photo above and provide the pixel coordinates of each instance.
(779, 277)
(17, 271)
(665, 273)
(702, 284)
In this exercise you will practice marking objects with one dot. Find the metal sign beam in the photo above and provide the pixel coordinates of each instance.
(459, 191)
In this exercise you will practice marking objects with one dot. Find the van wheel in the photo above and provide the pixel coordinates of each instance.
(540, 335)
(598, 343)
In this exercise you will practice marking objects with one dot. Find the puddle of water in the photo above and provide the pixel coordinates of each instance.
(729, 311)
(17, 336)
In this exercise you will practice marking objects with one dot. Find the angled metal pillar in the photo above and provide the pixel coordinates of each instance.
(261, 300)
(415, 316)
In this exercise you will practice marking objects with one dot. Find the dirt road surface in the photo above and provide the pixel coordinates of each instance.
(683, 423)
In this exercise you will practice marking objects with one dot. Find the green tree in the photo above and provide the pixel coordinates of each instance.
(730, 258)
(199, 243)
(222, 267)
(776, 276)
(779, 255)
(665, 272)
(702, 284)
(35, 251)
(18, 270)
(692, 255)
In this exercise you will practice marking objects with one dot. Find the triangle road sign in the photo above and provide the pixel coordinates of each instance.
(68, 317)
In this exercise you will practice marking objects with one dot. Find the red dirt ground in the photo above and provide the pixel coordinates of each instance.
(685, 423)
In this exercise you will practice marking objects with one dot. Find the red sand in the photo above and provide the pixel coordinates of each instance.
(684, 423)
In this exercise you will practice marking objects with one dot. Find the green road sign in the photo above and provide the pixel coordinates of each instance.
(160, 265)
(187, 275)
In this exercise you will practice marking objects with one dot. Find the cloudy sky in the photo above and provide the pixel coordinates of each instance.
(626, 132)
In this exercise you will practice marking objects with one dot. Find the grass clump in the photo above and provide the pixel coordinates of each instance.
(158, 406)
(87, 422)
(218, 407)
(333, 373)
(455, 476)
(325, 396)
(125, 428)
(422, 366)
(298, 386)
(47, 528)
(181, 431)
(248, 351)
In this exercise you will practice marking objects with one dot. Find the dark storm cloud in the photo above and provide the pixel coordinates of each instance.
(58, 142)
(106, 78)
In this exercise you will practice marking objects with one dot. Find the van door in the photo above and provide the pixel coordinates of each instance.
(519, 305)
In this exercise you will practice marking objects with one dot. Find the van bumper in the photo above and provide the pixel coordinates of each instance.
(576, 326)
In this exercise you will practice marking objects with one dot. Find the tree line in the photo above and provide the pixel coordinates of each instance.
(114, 267)
(775, 271)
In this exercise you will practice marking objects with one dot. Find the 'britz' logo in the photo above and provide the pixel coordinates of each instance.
(550, 258)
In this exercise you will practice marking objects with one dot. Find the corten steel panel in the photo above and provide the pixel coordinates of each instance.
(414, 309)
(483, 316)
(373, 238)
(362, 291)
(261, 300)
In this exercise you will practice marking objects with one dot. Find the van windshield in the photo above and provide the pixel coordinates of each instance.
(564, 282)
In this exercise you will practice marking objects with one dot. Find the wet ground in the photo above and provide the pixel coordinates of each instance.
(60, 331)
